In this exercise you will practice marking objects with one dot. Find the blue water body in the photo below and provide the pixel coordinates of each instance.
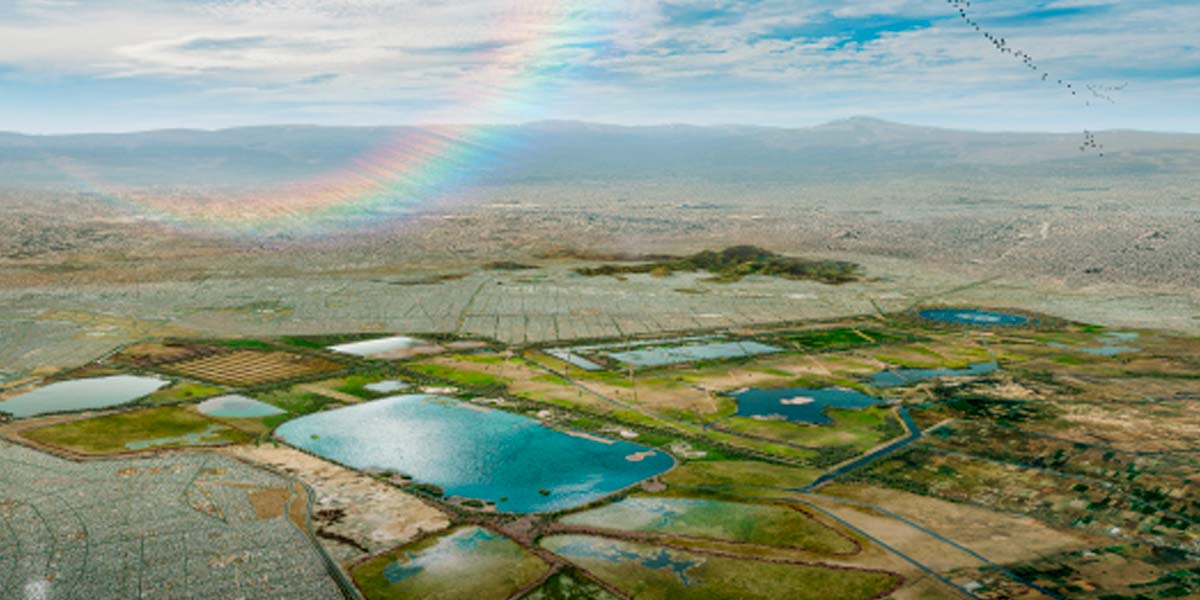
(897, 377)
(671, 355)
(235, 406)
(454, 548)
(971, 316)
(81, 394)
(799, 404)
(475, 452)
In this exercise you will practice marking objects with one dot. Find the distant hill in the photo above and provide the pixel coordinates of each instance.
(564, 151)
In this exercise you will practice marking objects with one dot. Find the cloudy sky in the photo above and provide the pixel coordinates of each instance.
(119, 65)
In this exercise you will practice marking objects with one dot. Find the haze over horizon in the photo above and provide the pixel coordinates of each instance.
(833, 122)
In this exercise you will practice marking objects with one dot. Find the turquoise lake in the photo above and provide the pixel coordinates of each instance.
(971, 316)
(81, 394)
(474, 452)
(895, 377)
(804, 405)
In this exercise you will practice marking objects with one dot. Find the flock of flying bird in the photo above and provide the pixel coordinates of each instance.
(1001, 44)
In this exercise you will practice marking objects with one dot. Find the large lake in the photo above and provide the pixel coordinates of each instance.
(474, 452)
(971, 316)
(81, 394)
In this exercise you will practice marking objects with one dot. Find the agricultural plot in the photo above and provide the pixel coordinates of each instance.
(146, 429)
(188, 525)
(468, 563)
(248, 367)
(653, 573)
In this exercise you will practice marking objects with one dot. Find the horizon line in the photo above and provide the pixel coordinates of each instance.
(535, 122)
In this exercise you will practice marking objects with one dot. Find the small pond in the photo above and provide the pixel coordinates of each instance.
(236, 406)
(378, 346)
(971, 316)
(387, 387)
(800, 404)
(81, 394)
(897, 377)
(476, 452)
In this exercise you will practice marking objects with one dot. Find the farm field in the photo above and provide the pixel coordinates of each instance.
(250, 367)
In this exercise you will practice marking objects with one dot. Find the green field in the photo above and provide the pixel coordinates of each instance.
(650, 573)
(468, 563)
(461, 376)
(162, 427)
(733, 473)
(297, 402)
(762, 524)
(565, 585)
(858, 429)
(183, 390)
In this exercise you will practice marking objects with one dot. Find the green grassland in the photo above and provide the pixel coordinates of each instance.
(567, 585)
(182, 391)
(297, 402)
(112, 433)
(858, 429)
(735, 473)
(650, 573)
(460, 376)
(762, 524)
(466, 563)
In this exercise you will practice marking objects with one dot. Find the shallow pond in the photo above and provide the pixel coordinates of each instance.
(671, 355)
(1112, 343)
(799, 404)
(378, 346)
(81, 394)
(211, 436)
(235, 406)
(475, 452)
(387, 387)
(897, 377)
(457, 548)
(971, 316)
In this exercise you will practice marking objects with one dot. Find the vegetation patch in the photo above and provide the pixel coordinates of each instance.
(160, 427)
(468, 563)
(653, 573)
(736, 262)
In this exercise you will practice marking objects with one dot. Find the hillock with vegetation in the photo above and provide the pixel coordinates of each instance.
(736, 262)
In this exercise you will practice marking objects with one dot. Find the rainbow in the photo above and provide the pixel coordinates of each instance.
(414, 169)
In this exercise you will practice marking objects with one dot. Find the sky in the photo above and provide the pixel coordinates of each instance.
(123, 65)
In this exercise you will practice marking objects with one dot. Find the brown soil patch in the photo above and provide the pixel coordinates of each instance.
(370, 514)
(270, 502)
